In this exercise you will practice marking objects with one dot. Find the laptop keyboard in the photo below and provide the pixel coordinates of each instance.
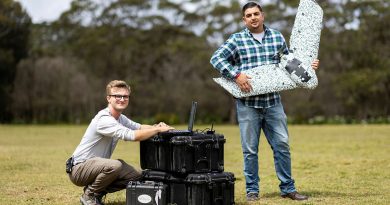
(178, 131)
(175, 133)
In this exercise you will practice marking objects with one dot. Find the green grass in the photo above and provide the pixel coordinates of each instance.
(332, 164)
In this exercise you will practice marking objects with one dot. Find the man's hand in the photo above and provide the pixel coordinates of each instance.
(165, 128)
(243, 82)
(315, 64)
(160, 124)
(162, 127)
(148, 131)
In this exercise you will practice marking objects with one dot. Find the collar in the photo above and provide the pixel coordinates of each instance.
(109, 112)
(266, 31)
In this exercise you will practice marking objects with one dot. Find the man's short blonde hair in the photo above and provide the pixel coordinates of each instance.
(117, 84)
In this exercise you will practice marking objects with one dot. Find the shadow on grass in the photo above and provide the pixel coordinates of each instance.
(311, 194)
(116, 203)
(316, 194)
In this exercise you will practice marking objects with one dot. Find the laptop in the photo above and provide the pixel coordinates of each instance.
(189, 131)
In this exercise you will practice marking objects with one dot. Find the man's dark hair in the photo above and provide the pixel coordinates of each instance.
(250, 5)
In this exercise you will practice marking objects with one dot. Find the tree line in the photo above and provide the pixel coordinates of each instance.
(56, 72)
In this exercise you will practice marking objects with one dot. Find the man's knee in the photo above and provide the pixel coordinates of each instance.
(115, 166)
(137, 176)
(130, 172)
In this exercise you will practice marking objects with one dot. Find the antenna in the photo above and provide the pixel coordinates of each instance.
(211, 131)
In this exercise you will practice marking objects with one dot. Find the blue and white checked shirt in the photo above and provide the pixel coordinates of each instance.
(242, 52)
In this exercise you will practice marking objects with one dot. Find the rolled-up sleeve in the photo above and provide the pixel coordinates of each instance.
(129, 123)
(108, 126)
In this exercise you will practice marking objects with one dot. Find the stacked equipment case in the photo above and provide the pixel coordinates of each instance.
(190, 167)
(197, 153)
(148, 192)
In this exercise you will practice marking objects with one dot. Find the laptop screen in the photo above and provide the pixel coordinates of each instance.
(192, 116)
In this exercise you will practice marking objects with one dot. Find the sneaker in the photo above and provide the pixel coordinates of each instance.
(252, 196)
(91, 199)
(101, 196)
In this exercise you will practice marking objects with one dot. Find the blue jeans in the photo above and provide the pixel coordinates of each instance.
(273, 121)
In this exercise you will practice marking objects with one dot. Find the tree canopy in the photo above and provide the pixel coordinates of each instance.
(162, 49)
(14, 32)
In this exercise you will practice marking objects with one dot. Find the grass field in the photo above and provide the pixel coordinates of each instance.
(332, 164)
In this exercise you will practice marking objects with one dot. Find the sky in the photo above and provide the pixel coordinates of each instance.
(45, 10)
(49, 10)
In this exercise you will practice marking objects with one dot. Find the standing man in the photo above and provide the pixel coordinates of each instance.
(90, 165)
(254, 46)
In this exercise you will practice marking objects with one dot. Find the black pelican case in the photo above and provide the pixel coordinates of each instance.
(196, 153)
(146, 192)
(196, 189)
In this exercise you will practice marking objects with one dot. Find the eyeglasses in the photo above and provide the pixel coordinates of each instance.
(120, 97)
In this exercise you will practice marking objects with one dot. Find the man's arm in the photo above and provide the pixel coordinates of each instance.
(108, 126)
(148, 131)
(145, 126)
(223, 59)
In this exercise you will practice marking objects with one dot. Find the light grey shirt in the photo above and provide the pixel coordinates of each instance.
(102, 135)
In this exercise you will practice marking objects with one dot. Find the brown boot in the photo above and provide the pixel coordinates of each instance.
(295, 196)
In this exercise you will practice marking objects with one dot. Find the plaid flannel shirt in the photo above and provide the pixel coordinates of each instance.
(242, 52)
